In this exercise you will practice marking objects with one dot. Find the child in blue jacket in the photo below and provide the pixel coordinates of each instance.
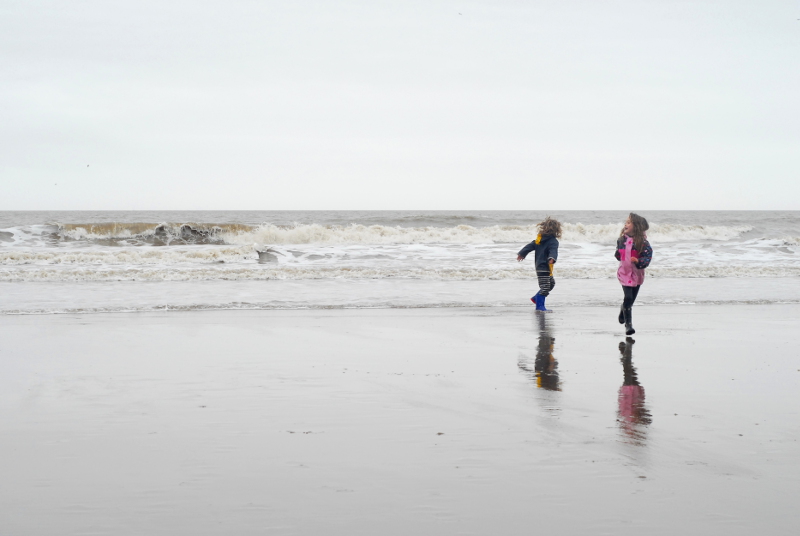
(545, 249)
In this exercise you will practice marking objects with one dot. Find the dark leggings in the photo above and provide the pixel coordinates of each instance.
(546, 282)
(630, 296)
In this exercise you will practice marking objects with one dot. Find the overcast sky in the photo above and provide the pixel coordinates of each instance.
(400, 105)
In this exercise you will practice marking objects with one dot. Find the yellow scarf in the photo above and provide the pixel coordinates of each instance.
(539, 239)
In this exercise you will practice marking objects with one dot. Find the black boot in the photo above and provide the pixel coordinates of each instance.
(629, 322)
(621, 315)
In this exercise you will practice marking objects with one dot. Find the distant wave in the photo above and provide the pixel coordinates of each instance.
(269, 234)
(265, 273)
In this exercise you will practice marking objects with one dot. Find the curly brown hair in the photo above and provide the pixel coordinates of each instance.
(550, 226)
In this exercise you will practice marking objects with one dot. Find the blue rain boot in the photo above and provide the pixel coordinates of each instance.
(540, 303)
(535, 299)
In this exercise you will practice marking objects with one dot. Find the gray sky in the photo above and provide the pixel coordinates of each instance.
(400, 105)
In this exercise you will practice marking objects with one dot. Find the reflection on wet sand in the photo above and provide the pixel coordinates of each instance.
(632, 416)
(545, 366)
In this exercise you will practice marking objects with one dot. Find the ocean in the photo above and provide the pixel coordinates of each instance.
(123, 261)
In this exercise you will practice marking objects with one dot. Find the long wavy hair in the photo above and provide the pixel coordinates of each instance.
(549, 226)
(640, 227)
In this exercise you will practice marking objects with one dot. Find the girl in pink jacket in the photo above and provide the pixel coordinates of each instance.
(634, 254)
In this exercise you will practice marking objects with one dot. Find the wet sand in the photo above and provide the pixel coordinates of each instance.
(419, 421)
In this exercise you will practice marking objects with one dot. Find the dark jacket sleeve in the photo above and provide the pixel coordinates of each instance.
(552, 250)
(527, 249)
(616, 250)
(645, 256)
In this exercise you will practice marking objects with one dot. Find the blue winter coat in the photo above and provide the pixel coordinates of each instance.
(546, 249)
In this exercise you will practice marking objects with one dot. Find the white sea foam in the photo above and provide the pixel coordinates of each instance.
(126, 256)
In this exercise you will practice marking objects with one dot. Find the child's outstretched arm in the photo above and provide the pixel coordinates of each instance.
(524, 251)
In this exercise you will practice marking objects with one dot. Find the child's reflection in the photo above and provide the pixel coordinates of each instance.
(545, 367)
(633, 417)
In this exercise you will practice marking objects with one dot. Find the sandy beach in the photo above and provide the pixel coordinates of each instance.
(401, 421)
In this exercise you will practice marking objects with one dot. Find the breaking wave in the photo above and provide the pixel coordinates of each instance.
(268, 234)
(151, 233)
